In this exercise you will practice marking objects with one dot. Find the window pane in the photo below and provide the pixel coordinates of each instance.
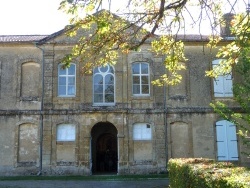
(71, 69)
(144, 79)
(98, 98)
(98, 88)
(145, 89)
(109, 89)
(62, 90)
(136, 89)
(71, 81)
(71, 90)
(136, 68)
(61, 71)
(136, 79)
(144, 68)
(109, 98)
(62, 81)
(109, 79)
(111, 70)
(98, 79)
(103, 69)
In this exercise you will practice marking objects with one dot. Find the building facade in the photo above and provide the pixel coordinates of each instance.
(59, 121)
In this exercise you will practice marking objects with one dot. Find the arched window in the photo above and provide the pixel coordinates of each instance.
(104, 85)
(140, 77)
(66, 132)
(226, 141)
(222, 84)
(142, 131)
(67, 81)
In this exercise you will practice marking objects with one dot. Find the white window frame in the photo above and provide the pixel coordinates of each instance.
(227, 142)
(142, 131)
(140, 75)
(98, 72)
(223, 84)
(66, 76)
(66, 133)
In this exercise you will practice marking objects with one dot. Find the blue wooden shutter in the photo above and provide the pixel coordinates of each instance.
(228, 84)
(222, 84)
(221, 141)
(218, 87)
(226, 141)
(232, 142)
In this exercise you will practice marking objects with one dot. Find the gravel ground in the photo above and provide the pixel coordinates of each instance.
(155, 183)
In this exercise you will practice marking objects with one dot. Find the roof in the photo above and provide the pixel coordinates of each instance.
(41, 39)
(21, 38)
(44, 38)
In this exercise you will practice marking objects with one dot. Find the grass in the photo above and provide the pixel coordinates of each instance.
(88, 178)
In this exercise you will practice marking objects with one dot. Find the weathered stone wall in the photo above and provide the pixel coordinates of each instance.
(182, 123)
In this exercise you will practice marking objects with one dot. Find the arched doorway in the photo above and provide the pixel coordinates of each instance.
(104, 148)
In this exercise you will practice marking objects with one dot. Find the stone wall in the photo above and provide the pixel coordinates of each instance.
(177, 118)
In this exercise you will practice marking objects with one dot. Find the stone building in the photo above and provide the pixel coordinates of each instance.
(57, 121)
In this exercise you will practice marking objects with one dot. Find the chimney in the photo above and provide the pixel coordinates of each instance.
(225, 31)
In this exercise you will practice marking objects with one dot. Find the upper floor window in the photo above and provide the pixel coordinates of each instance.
(140, 74)
(222, 84)
(67, 81)
(104, 85)
(30, 80)
(142, 131)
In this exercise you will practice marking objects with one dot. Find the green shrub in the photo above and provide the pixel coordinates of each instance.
(206, 173)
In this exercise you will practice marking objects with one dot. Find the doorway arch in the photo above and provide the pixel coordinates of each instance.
(104, 148)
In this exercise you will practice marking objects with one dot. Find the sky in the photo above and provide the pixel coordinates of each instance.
(27, 17)
(31, 17)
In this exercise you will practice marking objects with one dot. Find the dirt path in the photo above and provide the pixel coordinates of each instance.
(159, 183)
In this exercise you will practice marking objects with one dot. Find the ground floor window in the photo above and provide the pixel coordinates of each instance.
(66, 132)
(142, 131)
(227, 148)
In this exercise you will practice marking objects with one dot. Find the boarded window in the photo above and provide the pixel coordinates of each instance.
(31, 80)
(226, 141)
(222, 84)
(179, 91)
(180, 139)
(28, 143)
(142, 131)
(66, 132)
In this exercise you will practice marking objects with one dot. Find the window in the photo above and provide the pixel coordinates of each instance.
(103, 85)
(66, 132)
(140, 74)
(222, 84)
(67, 81)
(28, 143)
(30, 80)
(226, 141)
(142, 131)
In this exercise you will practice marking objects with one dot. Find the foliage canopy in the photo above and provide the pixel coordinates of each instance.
(140, 22)
(158, 23)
